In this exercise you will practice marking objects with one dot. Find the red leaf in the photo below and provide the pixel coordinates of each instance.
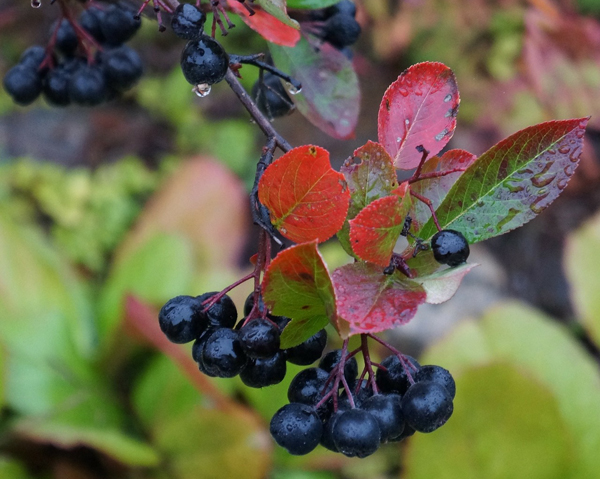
(371, 177)
(435, 189)
(370, 301)
(307, 199)
(269, 27)
(376, 229)
(419, 108)
(297, 284)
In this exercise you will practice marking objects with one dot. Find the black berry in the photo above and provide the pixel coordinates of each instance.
(345, 6)
(122, 67)
(281, 322)
(23, 83)
(204, 61)
(341, 30)
(181, 319)
(260, 338)
(394, 378)
(222, 353)
(450, 247)
(387, 409)
(297, 428)
(427, 406)
(119, 24)
(33, 56)
(331, 360)
(91, 21)
(223, 314)
(56, 86)
(188, 21)
(271, 97)
(438, 375)
(87, 86)
(249, 304)
(308, 386)
(327, 438)
(197, 349)
(309, 351)
(356, 433)
(66, 38)
(260, 373)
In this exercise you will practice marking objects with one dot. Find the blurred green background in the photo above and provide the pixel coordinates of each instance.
(106, 213)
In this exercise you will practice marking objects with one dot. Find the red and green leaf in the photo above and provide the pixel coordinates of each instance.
(370, 175)
(311, 4)
(512, 182)
(330, 97)
(307, 199)
(442, 285)
(297, 284)
(279, 29)
(376, 229)
(370, 301)
(419, 108)
(436, 188)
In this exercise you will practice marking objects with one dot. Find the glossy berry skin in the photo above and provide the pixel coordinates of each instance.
(204, 61)
(309, 351)
(387, 409)
(281, 322)
(118, 24)
(66, 38)
(394, 379)
(23, 84)
(271, 97)
(327, 438)
(249, 304)
(33, 56)
(122, 67)
(427, 406)
(260, 338)
(439, 375)
(341, 30)
(297, 428)
(181, 319)
(222, 353)
(307, 386)
(223, 314)
(450, 247)
(56, 86)
(197, 348)
(187, 21)
(260, 373)
(408, 431)
(331, 360)
(87, 86)
(356, 433)
(91, 21)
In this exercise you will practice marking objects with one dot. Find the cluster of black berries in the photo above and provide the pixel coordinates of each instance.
(338, 24)
(222, 349)
(450, 247)
(66, 74)
(204, 61)
(271, 96)
(410, 398)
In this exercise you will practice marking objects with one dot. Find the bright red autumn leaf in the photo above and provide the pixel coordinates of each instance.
(269, 27)
(370, 301)
(376, 229)
(435, 189)
(419, 108)
(306, 198)
(297, 285)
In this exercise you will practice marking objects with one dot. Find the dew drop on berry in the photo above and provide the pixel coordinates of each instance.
(36, 3)
(292, 90)
(202, 90)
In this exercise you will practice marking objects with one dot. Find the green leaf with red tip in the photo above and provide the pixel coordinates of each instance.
(330, 97)
(297, 285)
(370, 175)
(370, 301)
(442, 285)
(419, 108)
(436, 188)
(282, 31)
(512, 182)
(307, 199)
(376, 229)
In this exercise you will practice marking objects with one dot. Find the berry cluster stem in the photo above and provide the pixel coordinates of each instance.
(368, 369)
(406, 364)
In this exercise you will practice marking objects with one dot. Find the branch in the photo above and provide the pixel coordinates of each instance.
(263, 123)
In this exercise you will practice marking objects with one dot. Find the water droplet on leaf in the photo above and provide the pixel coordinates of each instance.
(447, 98)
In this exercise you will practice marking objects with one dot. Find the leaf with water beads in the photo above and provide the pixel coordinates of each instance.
(512, 182)
(418, 109)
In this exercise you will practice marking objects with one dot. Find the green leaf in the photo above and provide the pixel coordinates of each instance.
(159, 269)
(299, 330)
(540, 349)
(330, 97)
(512, 182)
(11, 469)
(197, 438)
(582, 264)
(297, 285)
(442, 285)
(310, 4)
(504, 425)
